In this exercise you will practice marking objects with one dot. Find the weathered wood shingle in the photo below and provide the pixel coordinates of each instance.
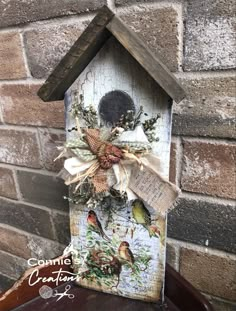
(102, 27)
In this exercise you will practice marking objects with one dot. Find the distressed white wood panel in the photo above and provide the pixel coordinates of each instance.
(113, 68)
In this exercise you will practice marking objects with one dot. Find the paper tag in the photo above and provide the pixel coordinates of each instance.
(152, 188)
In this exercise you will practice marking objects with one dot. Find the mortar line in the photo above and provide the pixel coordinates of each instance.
(52, 130)
(143, 7)
(29, 80)
(40, 148)
(111, 5)
(62, 213)
(220, 299)
(211, 140)
(173, 140)
(25, 128)
(180, 27)
(178, 257)
(206, 198)
(29, 234)
(12, 255)
(177, 251)
(28, 73)
(20, 128)
(7, 276)
(50, 210)
(28, 169)
(17, 186)
(52, 21)
(54, 231)
(226, 73)
(179, 161)
(1, 115)
(202, 249)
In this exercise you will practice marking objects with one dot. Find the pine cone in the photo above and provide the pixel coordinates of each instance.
(105, 162)
(111, 155)
(113, 151)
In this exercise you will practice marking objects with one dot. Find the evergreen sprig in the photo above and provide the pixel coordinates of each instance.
(87, 114)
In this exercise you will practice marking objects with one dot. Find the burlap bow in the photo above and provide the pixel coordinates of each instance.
(112, 164)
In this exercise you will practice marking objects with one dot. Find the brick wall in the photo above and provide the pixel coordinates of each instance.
(196, 40)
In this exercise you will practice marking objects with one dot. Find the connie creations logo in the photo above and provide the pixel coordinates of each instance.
(57, 276)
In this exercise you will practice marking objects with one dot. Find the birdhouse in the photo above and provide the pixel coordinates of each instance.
(118, 99)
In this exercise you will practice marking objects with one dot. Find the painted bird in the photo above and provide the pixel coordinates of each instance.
(142, 216)
(125, 252)
(95, 224)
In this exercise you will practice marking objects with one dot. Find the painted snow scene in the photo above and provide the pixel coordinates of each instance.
(118, 122)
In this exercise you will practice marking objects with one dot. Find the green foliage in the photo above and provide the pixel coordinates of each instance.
(112, 205)
(130, 120)
(149, 128)
(87, 114)
(88, 117)
(105, 273)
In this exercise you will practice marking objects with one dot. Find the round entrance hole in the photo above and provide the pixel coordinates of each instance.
(113, 105)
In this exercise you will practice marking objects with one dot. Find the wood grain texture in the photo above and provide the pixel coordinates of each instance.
(78, 57)
(157, 70)
(22, 292)
(114, 69)
(184, 295)
(87, 46)
(179, 296)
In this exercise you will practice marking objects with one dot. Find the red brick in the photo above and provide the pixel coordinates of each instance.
(5, 283)
(11, 56)
(18, 12)
(210, 35)
(44, 248)
(13, 242)
(26, 217)
(43, 190)
(26, 246)
(202, 222)
(222, 305)
(12, 266)
(62, 227)
(172, 255)
(211, 274)
(208, 109)
(209, 168)
(21, 105)
(49, 143)
(7, 183)
(19, 148)
(40, 42)
(158, 28)
(172, 171)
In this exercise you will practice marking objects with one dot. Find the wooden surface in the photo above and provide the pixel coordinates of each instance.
(90, 42)
(105, 74)
(179, 296)
(89, 300)
(183, 294)
(21, 292)
(102, 76)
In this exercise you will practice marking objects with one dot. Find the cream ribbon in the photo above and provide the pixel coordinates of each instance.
(119, 175)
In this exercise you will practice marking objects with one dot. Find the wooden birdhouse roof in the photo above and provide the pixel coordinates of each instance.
(104, 25)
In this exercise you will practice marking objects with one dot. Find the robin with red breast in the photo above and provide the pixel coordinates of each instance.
(95, 224)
